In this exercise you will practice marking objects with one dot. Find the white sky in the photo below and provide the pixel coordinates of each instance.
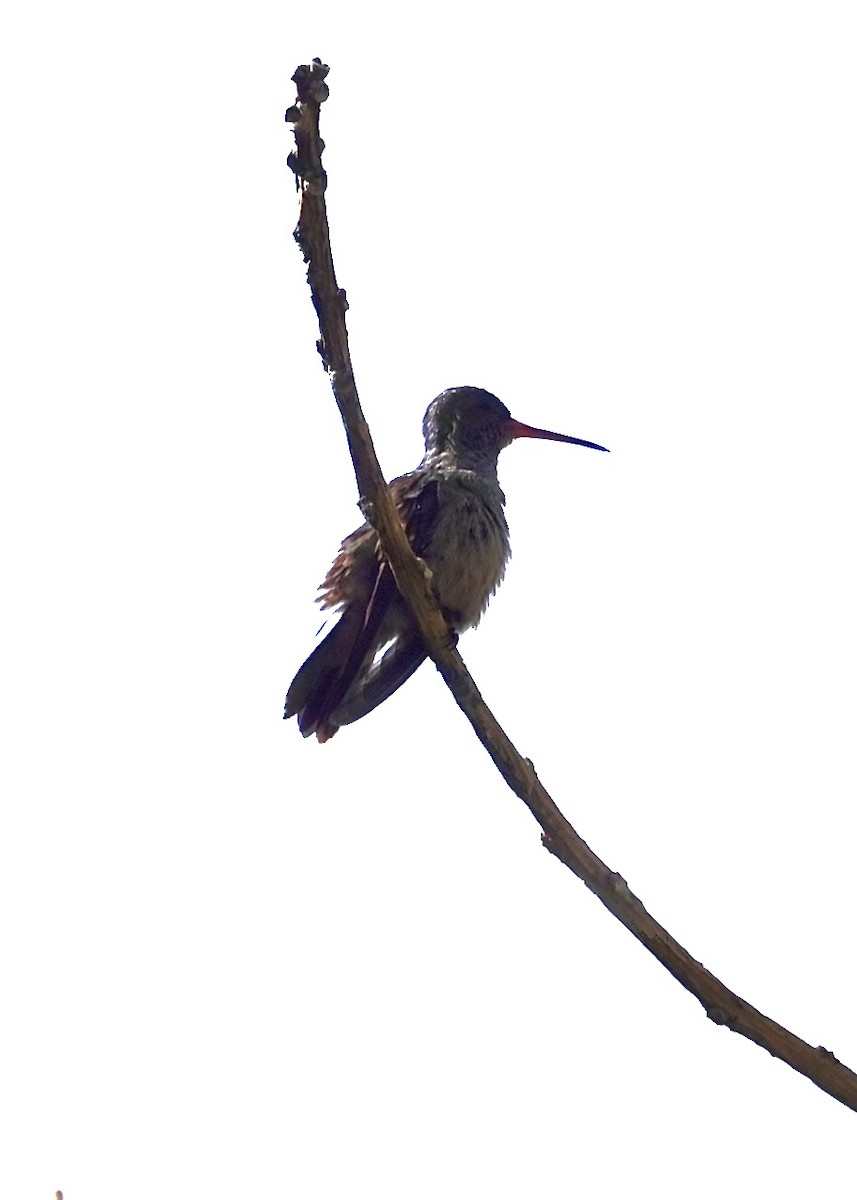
(238, 964)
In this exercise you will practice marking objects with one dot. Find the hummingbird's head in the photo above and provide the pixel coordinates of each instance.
(473, 425)
(467, 421)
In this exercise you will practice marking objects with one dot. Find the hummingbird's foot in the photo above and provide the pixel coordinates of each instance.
(452, 634)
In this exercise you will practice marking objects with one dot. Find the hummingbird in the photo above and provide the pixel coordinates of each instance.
(451, 507)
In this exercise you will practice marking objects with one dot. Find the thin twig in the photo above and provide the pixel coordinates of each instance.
(723, 1006)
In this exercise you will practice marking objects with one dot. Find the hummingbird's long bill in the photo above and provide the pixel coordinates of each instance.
(518, 429)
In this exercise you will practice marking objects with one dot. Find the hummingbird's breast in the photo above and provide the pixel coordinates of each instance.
(469, 547)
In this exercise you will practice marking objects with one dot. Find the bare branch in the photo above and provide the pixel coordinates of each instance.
(723, 1006)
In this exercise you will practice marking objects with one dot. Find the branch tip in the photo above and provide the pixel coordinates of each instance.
(309, 80)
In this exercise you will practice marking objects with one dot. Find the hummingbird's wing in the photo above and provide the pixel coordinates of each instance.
(384, 677)
(341, 681)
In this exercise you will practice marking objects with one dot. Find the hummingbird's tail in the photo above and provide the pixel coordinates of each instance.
(318, 686)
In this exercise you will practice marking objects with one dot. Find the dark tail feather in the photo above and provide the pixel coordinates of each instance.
(317, 687)
(324, 681)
